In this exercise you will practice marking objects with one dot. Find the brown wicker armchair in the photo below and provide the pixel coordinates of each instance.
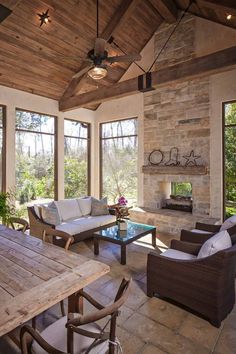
(79, 333)
(205, 285)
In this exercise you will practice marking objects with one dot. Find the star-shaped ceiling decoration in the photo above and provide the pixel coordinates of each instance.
(44, 17)
(191, 159)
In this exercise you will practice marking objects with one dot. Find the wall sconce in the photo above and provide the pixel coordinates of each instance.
(44, 17)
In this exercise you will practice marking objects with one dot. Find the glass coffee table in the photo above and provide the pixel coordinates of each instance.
(123, 238)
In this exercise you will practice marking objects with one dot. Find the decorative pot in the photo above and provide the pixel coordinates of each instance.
(122, 225)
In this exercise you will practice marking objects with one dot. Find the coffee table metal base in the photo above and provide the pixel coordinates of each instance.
(122, 245)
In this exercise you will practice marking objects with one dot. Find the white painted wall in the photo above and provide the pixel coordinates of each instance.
(222, 89)
(18, 99)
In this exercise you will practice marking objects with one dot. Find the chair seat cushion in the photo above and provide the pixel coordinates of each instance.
(201, 231)
(170, 253)
(56, 336)
(216, 243)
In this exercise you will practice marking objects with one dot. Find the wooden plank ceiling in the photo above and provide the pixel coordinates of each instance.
(42, 60)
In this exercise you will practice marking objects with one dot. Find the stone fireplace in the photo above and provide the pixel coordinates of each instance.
(177, 116)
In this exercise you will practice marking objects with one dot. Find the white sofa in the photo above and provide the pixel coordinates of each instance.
(72, 216)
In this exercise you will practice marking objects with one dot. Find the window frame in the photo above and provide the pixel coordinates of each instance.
(4, 126)
(44, 133)
(88, 139)
(224, 126)
(101, 138)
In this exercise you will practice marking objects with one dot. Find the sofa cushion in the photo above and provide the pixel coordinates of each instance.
(50, 214)
(170, 253)
(99, 207)
(218, 242)
(68, 209)
(85, 205)
(228, 223)
(86, 223)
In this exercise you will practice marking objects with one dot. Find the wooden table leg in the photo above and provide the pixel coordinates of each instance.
(123, 254)
(96, 246)
(75, 304)
(154, 234)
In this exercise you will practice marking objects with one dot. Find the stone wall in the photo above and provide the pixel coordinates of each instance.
(177, 115)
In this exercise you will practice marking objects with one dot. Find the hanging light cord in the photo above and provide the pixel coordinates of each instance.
(97, 20)
(171, 34)
(118, 47)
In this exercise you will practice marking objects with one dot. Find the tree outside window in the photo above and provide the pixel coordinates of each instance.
(119, 154)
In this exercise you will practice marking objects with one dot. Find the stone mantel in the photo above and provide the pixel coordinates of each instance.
(175, 170)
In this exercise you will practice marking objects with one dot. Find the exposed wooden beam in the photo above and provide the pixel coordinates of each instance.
(226, 5)
(120, 16)
(167, 9)
(124, 11)
(212, 63)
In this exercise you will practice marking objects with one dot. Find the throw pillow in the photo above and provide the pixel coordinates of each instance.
(85, 205)
(228, 223)
(99, 207)
(218, 242)
(68, 209)
(50, 215)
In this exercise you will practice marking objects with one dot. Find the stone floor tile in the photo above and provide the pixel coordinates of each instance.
(151, 349)
(200, 330)
(130, 343)
(161, 336)
(165, 313)
(227, 341)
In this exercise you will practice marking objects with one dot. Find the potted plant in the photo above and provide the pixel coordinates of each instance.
(122, 213)
(7, 206)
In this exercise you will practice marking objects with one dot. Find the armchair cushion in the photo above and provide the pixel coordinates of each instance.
(228, 223)
(198, 231)
(216, 243)
(170, 253)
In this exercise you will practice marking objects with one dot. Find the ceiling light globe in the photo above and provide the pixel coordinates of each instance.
(229, 17)
(97, 73)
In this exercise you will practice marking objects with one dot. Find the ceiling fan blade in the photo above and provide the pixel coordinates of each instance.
(82, 71)
(4, 12)
(99, 47)
(128, 57)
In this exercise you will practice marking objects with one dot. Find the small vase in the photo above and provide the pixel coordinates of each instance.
(122, 225)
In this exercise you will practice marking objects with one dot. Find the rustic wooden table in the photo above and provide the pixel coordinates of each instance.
(35, 275)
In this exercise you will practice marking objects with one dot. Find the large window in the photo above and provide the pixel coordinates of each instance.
(35, 176)
(229, 170)
(119, 146)
(2, 147)
(77, 152)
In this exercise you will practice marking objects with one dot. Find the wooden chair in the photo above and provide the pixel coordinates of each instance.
(18, 224)
(77, 333)
(62, 239)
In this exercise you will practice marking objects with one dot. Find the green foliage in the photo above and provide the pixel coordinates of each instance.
(230, 157)
(183, 189)
(75, 177)
(7, 206)
(120, 169)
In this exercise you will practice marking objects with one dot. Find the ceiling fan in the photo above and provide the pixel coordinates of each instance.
(98, 58)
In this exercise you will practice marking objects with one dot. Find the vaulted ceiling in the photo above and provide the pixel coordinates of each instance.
(42, 60)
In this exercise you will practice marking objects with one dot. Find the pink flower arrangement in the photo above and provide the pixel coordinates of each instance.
(122, 201)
